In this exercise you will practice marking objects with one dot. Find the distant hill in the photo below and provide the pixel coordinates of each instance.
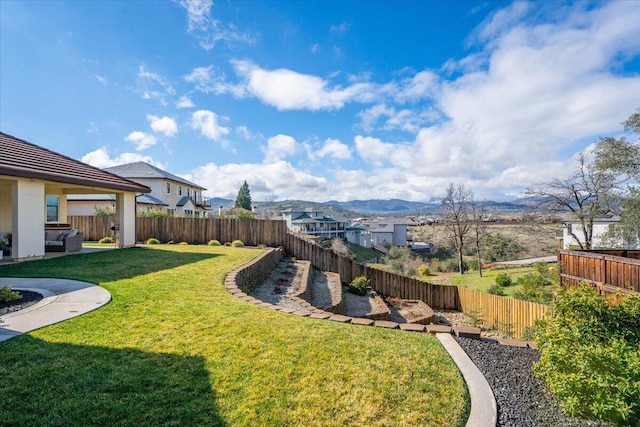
(376, 207)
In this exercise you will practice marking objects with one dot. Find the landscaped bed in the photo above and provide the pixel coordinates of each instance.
(175, 348)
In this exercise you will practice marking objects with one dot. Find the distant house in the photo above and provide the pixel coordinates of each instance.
(170, 193)
(314, 223)
(601, 225)
(34, 184)
(358, 234)
(388, 232)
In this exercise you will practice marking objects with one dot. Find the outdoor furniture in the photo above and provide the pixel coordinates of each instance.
(62, 240)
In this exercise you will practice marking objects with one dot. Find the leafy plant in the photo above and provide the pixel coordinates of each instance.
(536, 286)
(359, 285)
(590, 354)
(503, 280)
(183, 243)
(152, 241)
(237, 244)
(496, 289)
(106, 239)
(6, 294)
(213, 243)
(97, 211)
(423, 270)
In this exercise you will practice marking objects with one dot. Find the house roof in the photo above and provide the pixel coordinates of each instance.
(148, 199)
(184, 201)
(142, 170)
(27, 160)
(308, 219)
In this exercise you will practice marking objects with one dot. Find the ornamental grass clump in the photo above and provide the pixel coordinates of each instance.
(152, 241)
(213, 243)
(237, 244)
(106, 239)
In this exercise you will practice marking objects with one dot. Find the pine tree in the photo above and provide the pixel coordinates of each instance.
(244, 197)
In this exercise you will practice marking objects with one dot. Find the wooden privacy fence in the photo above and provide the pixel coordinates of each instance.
(611, 271)
(496, 311)
(507, 315)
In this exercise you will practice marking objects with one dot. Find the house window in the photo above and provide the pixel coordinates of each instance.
(168, 188)
(53, 204)
(180, 190)
(171, 212)
(188, 192)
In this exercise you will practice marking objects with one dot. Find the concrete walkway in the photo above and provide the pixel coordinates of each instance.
(63, 299)
(484, 410)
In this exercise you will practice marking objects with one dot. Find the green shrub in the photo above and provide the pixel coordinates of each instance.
(423, 270)
(183, 243)
(152, 241)
(6, 294)
(496, 289)
(503, 280)
(106, 239)
(213, 243)
(359, 285)
(237, 244)
(590, 355)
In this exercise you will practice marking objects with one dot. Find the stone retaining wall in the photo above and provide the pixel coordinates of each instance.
(251, 275)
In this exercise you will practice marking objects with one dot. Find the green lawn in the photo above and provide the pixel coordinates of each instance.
(174, 348)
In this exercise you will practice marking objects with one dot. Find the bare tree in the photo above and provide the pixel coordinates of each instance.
(479, 230)
(455, 210)
(586, 194)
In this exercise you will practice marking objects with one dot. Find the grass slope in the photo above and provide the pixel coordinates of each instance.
(174, 348)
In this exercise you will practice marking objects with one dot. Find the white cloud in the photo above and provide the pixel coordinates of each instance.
(101, 80)
(266, 180)
(141, 140)
(208, 30)
(152, 85)
(278, 147)
(164, 125)
(289, 90)
(185, 102)
(343, 27)
(245, 133)
(100, 158)
(207, 122)
(210, 80)
(334, 149)
(378, 152)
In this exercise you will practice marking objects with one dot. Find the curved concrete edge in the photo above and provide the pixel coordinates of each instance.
(484, 411)
(63, 300)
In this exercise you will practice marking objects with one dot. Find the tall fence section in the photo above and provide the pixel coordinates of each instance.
(494, 311)
(610, 271)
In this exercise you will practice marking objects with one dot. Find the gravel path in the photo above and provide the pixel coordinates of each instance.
(523, 400)
(28, 298)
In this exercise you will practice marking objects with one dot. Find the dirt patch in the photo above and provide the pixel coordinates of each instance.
(409, 311)
(370, 306)
(326, 290)
(284, 282)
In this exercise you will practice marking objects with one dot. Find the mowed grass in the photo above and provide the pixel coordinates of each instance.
(174, 348)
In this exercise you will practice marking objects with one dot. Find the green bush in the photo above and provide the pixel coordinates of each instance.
(237, 244)
(496, 289)
(503, 280)
(184, 243)
(424, 271)
(359, 285)
(6, 294)
(213, 243)
(106, 239)
(590, 355)
(152, 241)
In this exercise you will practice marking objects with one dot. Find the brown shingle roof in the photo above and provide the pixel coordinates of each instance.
(27, 160)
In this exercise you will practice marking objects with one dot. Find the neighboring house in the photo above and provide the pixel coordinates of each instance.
(89, 204)
(314, 223)
(358, 234)
(34, 184)
(388, 232)
(600, 226)
(170, 194)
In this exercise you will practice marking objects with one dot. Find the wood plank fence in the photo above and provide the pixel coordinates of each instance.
(497, 311)
(611, 271)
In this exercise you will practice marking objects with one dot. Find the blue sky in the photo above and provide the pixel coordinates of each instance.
(321, 100)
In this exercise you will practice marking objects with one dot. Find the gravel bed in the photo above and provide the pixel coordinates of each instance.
(28, 298)
(283, 281)
(523, 400)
